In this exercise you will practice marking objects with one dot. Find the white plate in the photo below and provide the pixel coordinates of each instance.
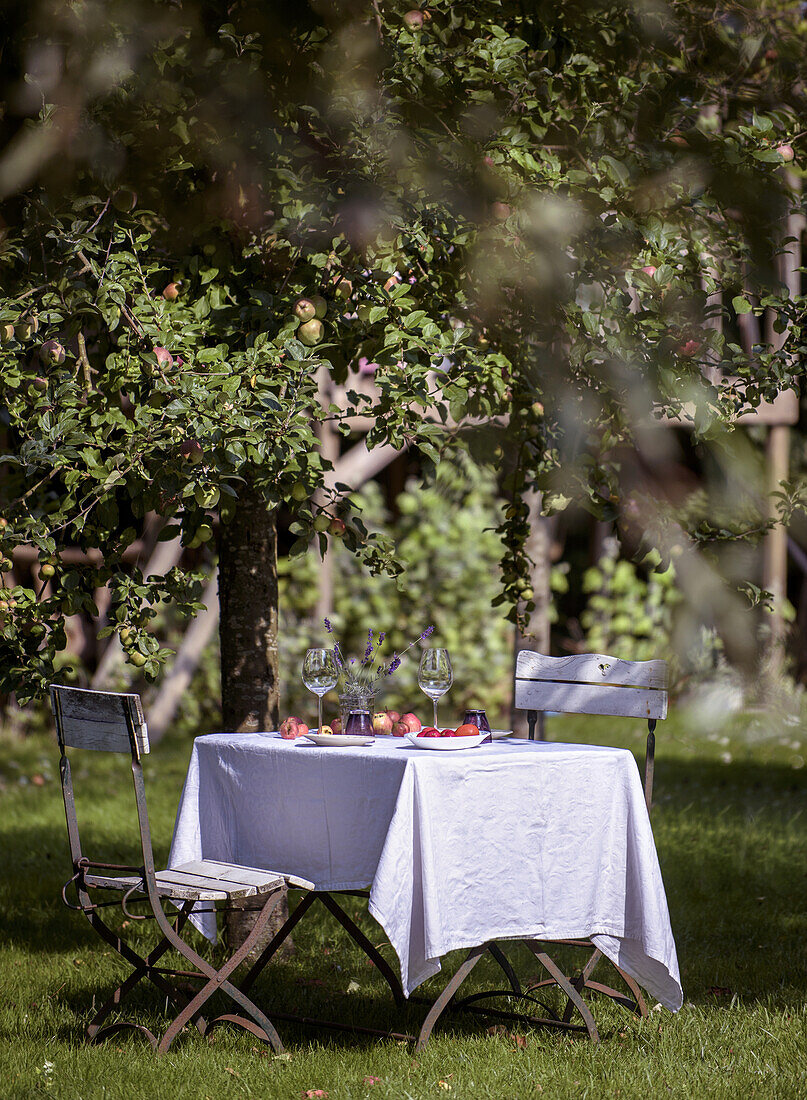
(334, 740)
(445, 743)
(497, 735)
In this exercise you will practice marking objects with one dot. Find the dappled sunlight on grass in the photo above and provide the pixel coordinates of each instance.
(730, 827)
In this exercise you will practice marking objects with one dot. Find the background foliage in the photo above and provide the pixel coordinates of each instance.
(524, 216)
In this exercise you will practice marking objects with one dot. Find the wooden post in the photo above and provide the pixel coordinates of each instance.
(536, 637)
(778, 443)
(329, 447)
(177, 679)
(774, 574)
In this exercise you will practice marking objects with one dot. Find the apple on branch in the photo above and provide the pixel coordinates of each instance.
(311, 333)
(304, 309)
(52, 353)
(163, 356)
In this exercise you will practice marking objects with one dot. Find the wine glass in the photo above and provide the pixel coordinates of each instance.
(435, 675)
(320, 674)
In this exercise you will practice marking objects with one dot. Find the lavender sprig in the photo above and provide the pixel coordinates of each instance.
(369, 672)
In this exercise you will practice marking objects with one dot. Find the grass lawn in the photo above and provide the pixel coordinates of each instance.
(731, 827)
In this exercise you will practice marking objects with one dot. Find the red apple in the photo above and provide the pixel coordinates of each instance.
(446, 733)
(163, 357)
(689, 348)
(413, 19)
(336, 725)
(192, 450)
(291, 728)
(429, 731)
(52, 353)
(400, 729)
(785, 151)
(394, 715)
(382, 724)
(171, 292)
(391, 282)
(337, 527)
(501, 211)
(468, 729)
(412, 721)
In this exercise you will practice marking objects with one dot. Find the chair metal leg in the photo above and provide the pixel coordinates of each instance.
(142, 968)
(218, 980)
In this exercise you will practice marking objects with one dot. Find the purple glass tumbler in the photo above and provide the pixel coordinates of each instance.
(479, 719)
(359, 724)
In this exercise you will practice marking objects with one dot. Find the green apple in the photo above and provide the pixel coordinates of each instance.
(304, 309)
(311, 333)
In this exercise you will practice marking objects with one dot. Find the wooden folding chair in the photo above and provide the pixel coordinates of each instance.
(114, 723)
(592, 683)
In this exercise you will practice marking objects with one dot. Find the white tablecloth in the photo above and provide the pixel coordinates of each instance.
(513, 839)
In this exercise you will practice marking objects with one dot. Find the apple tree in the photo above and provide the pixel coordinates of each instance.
(528, 218)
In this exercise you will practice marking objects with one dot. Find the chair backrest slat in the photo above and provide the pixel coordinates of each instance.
(591, 683)
(99, 720)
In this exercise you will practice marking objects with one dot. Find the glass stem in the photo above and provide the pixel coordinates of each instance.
(319, 713)
(434, 704)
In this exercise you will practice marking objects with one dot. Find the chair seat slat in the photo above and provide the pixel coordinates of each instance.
(227, 872)
(175, 883)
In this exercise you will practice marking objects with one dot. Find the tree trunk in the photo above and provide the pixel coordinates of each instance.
(248, 608)
(248, 625)
(537, 635)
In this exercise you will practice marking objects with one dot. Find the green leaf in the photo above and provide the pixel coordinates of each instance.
(741, 304)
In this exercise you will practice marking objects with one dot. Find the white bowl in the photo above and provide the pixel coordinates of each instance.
(445, 744)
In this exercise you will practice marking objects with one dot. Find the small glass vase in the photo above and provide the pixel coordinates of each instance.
(355, 700)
